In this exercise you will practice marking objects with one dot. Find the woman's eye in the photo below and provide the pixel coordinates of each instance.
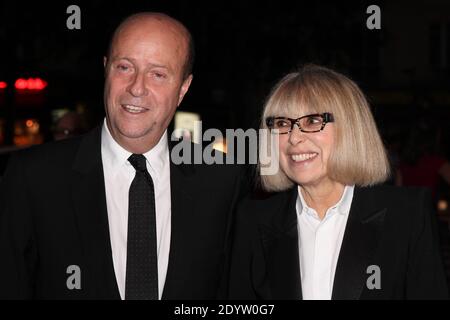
(281, 123)
(314, 120)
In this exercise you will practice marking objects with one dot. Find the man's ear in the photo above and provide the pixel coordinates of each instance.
(184, 88)
(105, 61)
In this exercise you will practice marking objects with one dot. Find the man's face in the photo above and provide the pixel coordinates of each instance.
(144, 82)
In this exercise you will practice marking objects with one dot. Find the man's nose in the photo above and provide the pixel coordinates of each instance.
(296, 135)
(137, 87)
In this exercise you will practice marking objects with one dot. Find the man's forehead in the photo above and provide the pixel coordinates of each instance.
(152, 32)
(150, 26)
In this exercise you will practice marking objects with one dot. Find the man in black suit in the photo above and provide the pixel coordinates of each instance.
(108, 215)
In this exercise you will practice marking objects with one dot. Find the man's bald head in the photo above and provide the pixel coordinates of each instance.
(170, 24)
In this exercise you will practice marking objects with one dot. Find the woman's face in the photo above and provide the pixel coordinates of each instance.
(304, 156)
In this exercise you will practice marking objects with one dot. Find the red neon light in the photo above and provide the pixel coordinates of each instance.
(40, 84)
(30, 84)
(21, 84)
(3, 85)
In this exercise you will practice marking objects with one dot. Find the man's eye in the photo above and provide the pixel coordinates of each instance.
(123, 67)
(159, 75)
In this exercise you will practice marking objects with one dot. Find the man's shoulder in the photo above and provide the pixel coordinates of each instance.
(38, 166)
(48, 153)
(57, 154)
(63, 149)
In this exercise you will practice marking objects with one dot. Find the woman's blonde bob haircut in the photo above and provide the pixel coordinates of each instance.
(358, 156)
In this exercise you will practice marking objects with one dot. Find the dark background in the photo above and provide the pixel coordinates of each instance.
(242, 49)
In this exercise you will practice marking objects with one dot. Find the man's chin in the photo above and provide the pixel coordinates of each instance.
(136, 134)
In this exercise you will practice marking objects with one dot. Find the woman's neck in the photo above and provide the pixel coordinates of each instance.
(322, 196)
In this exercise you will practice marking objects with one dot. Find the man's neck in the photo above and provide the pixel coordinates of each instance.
(139, 145)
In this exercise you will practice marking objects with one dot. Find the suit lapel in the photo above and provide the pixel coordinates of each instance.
(182, 225)
(280, 244)
(360, 242)
(89, 201)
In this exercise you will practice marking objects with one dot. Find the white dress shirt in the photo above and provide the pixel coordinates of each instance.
(119, 174)
(320, 244)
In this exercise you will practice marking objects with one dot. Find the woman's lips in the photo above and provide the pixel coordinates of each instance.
(300, 157)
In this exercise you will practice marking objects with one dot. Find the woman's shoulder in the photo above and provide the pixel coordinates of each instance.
(385, 193)
(393, 191)
(398, 199)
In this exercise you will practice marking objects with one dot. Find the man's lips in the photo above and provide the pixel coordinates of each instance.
(134, 109)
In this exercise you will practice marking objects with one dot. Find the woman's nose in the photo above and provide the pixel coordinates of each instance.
(296, 135)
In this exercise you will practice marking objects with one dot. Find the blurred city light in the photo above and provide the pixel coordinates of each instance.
(442, 205)
(30, 84)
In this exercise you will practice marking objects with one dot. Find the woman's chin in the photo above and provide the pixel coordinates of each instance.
(308, 180)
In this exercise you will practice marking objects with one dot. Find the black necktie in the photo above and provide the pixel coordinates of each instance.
(142, 264)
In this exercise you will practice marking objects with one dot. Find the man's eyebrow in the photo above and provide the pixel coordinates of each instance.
(131, 60)
(117, 58)
(154, 65)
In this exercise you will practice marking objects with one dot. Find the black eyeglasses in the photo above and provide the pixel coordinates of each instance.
(309, 123)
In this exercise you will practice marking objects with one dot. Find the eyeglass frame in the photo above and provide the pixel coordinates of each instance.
(326, 117)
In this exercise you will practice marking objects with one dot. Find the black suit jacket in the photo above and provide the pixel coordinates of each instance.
(392, 228)
(53, 215)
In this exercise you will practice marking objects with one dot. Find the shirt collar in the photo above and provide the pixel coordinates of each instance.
(158, 156)
(342, 206)
(115, 156)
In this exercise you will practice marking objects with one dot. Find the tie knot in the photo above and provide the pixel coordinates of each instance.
(138, 162)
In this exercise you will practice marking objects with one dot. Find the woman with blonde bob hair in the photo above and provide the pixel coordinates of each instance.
(327, 229)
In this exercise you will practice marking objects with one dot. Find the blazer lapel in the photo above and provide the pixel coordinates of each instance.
(89, 201)
(182, 224)
(280, 244)
(360, 242)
